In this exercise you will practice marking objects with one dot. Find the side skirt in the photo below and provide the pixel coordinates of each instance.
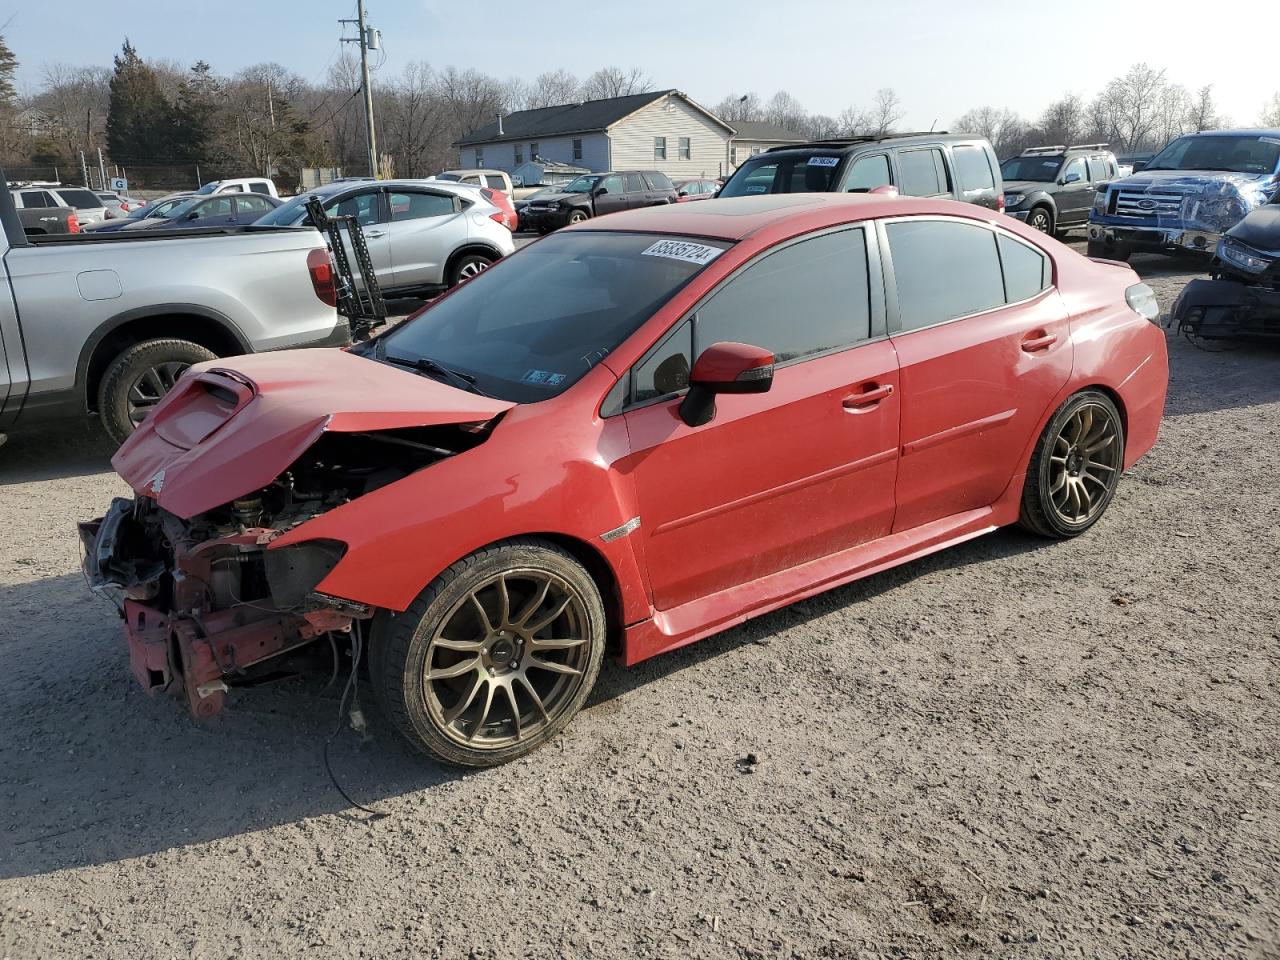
(670, 629)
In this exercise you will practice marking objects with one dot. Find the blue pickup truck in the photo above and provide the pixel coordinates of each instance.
(1189, 194)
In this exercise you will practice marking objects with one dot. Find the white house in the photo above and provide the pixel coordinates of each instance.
(663, 130)
(756, 136)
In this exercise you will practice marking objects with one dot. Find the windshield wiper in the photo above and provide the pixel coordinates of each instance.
(434, 368)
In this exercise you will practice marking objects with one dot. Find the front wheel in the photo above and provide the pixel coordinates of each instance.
(139, 377)
(578, 216)
(1075, 468)
(1040, 219)
(495, 657)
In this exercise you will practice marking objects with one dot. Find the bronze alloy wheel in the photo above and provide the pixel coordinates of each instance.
(1085, 463)
(507, 660)
(1075, 468)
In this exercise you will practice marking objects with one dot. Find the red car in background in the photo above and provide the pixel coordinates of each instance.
(697, 189)
(625, 437)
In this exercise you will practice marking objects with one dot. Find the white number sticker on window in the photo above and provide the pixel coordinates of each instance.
(823, 161)
(698, 253)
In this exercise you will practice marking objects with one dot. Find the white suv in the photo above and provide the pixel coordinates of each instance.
(422, 235)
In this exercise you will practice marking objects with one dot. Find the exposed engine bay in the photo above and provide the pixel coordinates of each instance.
(207, 603)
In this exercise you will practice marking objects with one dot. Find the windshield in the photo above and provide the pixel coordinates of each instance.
(533, 325)
(580, 185)
(163, 210)
(784, 173)
(1040, 169)
(1243, 154)
(209, 187)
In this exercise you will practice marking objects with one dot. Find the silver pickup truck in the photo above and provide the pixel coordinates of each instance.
(104, 323)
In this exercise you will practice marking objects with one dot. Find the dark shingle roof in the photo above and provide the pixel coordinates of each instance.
(584, 117)
(761, 130)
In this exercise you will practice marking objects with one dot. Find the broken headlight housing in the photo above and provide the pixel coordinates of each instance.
(1242, 257)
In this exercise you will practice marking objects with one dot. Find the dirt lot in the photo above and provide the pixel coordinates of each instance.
(1013, 749)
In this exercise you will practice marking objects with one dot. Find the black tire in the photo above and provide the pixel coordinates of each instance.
(1041, 218)
(467, 266)
(139, 377)
(1041, 513)
(578, 216)
(403, 649)
(1096, 248)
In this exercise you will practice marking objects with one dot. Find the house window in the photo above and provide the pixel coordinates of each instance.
(659, 148)
(577, 149)
(686, 149)
(733, 155)
(479, 156)
(533, 150)
(519, 154)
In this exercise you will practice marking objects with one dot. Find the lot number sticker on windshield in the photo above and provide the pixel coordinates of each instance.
(823, 161)
(544, 378)
(698, 253)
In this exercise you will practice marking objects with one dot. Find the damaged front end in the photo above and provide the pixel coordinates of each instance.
(209, 601)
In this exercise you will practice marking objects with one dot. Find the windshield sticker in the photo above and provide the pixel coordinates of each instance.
(1269, 140)
(823, 161)
(698, 253)
(544, 378)
(755, 189)
(1049, 163)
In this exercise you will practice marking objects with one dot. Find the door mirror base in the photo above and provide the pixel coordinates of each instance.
(724, 368)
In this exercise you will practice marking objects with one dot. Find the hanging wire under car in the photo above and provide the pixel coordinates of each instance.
(351, 690)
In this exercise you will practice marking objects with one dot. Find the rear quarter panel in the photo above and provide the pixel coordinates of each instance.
(258, 282)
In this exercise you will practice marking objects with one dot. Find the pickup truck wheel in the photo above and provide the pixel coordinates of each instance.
(472, 265)
(578, 216)
(1040, 219)
(137, 379)
(495, 656)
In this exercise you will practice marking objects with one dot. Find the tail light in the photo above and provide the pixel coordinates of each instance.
(506, 214)
(73, 223)
(320, 266)
(124, 207)
(1000, 203)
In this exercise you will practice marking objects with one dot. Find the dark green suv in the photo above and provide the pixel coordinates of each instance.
(916, 164)
(1052, 188)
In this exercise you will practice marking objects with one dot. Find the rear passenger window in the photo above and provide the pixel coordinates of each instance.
(35, 198)
(868, 173)
(973, 172)
(1026, 271)
(415, 206)
(943, 270)
(828, 274)
(923, 173)
(1099, 169)
(260, 187)
(634, 183)
(659, 180)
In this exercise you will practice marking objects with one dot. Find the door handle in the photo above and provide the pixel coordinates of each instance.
(1032, 344)
(375, 234)
(868, 398)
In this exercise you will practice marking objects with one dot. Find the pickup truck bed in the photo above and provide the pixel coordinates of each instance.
(103, 323)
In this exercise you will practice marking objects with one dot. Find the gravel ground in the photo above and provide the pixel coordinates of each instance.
(1013, 749)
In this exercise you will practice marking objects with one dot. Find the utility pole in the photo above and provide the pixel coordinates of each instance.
(84, 169)
(368, 38)
(102, 170)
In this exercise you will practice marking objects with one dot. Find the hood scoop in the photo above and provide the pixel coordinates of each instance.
(225, 431)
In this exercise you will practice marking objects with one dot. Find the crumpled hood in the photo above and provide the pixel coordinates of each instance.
(1260, 229)
(1211, 201)
(230, 427)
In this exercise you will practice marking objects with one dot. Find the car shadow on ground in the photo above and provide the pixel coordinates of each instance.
(76, 448)
(1221, 376)
(92, 771)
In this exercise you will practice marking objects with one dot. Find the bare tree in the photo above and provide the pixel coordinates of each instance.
(1131, 107)
(75, 99)
(786, 111)
(886, 111)
(1202, 114)
(611, 82)
(1063, 121)
(1271, 112)
(414, 123)
(737, 106)
(1004, 128)
(853, 121)
(553, 88)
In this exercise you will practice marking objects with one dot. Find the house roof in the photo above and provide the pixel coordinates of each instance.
(762, 130)
(589, 116)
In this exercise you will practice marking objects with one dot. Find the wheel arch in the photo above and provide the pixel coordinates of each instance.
(605, 578)
(184, 321)
(472, 246)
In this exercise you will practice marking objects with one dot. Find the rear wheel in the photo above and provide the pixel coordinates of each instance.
(139, 377)
(1075, 468)
(471, 265)
(495, 657)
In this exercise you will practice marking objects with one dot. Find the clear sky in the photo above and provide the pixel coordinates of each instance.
(941, 58)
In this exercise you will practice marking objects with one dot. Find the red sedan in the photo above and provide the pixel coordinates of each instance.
(628, 436)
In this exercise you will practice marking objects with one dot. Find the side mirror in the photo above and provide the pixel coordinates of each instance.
(1071, 178)
(193, 215)
(599, 192)
(724, 368)
(683, 193)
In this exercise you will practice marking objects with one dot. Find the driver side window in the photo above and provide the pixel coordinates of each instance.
(612, 184)
(1076, 166)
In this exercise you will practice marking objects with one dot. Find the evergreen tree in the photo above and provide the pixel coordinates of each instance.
(194, 115)
(140, 124)
(8, 65)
